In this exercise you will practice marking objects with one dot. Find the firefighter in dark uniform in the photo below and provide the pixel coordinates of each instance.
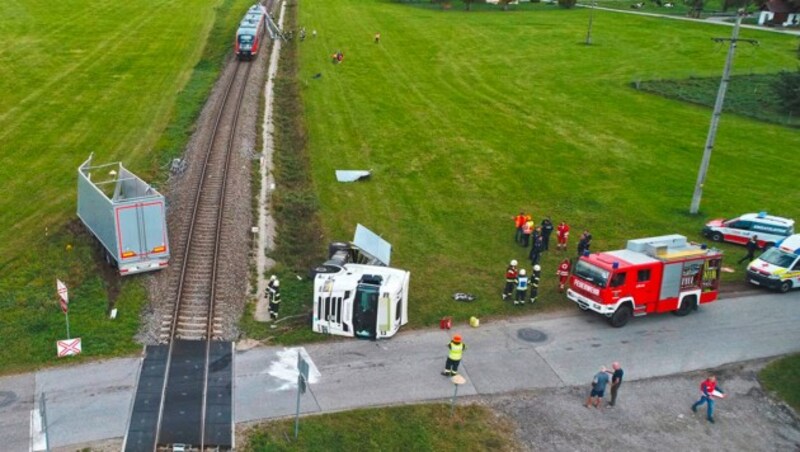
(273, 293)
(752, 247)
(535, 277)
(511, 279)
(563, 273)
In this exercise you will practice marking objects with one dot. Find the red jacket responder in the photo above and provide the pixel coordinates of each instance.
(707, 387)
(563, 231)
(511, 274)
(519, 220)
(563, 269)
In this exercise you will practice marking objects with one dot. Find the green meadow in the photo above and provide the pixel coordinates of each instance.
(466, 118)
(122, 80)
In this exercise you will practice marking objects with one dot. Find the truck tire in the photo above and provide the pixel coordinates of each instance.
(785, 287)
(717, 237)
(687, 306)
(621, 316)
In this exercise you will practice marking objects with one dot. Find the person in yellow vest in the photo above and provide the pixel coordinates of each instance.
(456, 348)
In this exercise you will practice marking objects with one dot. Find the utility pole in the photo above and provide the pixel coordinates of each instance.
(715, 116)
(589, 31)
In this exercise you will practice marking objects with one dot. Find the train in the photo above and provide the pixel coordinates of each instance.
(251, 32)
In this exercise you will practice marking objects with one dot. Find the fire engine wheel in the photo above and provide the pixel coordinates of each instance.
(717, 237)
(621, 316)
(686, 307)
(784, 287)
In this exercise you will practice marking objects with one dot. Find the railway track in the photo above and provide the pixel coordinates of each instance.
(195, 291)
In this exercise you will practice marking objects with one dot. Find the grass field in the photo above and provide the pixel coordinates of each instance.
(404, 428)
(122, 80)
(466, 118)
(781, 377)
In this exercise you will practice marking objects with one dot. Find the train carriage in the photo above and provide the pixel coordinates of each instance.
(250, 33)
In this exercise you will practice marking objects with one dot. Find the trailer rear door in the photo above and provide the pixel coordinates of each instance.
(140, 231)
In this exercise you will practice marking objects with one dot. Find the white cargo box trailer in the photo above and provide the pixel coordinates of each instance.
(127, 216)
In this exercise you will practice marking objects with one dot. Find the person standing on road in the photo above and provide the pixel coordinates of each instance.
(616, 381)
(599, 383)
(456, 350)
(563, 273)
(522, 287)
(562, 231)
(752, 247)
(511, 279)
(547, 229)
(709, 390)
(535, 277)
(274, 295)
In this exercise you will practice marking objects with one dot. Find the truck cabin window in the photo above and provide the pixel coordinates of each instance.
(643, 275)
(591, 273)
(618, 280)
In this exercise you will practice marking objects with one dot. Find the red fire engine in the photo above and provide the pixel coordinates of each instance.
(651, 275)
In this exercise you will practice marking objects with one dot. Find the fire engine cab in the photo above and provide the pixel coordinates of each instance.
(651, 275)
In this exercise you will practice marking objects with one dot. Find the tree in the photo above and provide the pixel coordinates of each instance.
(468, 4)
(567, 3)
(504, 4)
(787, 87)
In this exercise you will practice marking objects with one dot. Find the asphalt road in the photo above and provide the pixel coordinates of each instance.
(92, 402)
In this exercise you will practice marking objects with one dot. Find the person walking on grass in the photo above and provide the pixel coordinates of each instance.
(616, 381)
(537, 248)
(527, 230)
(519, 222)
(535, 277)
(563, 273)
(709, 390)
(752, 247)
(562, 233)
(511, 279)
(455, 352)
(547, 229)
(522, 287)
(599, 383)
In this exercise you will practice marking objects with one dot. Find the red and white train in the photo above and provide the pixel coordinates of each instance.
(251, 32)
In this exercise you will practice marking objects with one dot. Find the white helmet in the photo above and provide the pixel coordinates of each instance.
(522, 272)
(513, 262)
(277, 283)
(273, 278)
(536, 268)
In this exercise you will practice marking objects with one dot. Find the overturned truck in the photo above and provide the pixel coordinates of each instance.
(356, 293)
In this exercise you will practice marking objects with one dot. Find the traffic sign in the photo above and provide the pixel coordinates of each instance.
(69, 347)
(62, 294)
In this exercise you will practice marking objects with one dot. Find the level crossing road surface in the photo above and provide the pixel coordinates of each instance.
(92, 402)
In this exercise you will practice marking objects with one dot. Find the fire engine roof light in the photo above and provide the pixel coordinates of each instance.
(615, 265)
(586, 253)
(703, 246)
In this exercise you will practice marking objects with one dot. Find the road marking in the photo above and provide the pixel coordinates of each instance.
(37, 437)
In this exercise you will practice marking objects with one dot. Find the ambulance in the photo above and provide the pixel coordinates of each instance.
(779, 267)
(769, 229)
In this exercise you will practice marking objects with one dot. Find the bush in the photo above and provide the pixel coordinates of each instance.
(787, 87)
(566, 3)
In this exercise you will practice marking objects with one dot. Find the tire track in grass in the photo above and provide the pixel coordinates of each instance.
(23, 112)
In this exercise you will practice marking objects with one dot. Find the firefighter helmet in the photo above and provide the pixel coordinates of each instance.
(513, 262)
(273, 278)
(522, 272)
(537, 268)
(457, 338)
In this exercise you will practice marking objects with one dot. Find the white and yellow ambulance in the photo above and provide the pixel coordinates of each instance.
(779, 267)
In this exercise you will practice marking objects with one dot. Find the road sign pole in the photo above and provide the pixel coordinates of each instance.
(66, 315)
(297, 412)
(453, 401)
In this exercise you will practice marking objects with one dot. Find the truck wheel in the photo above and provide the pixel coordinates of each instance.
(621, 316)
(717, 237)
(686, 307)
(784, 287)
